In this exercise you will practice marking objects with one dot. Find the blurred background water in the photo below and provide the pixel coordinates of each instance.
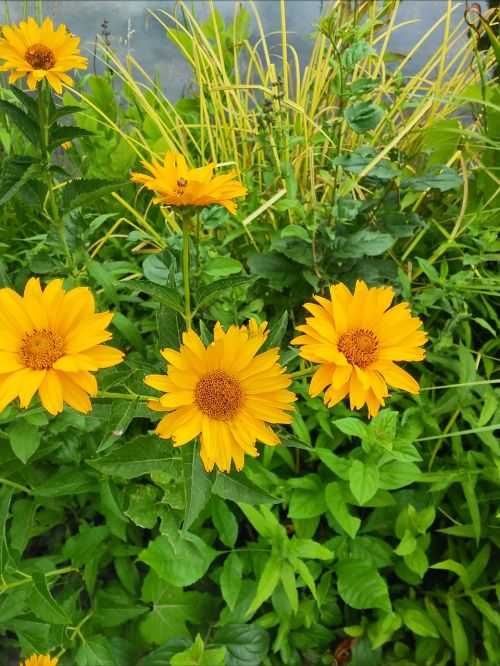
(134, 30)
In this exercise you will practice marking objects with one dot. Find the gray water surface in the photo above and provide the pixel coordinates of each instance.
(134, 30)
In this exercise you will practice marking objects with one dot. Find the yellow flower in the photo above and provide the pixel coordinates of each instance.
(40, 660)
(226, 393)
(356, 338)
(50, 342)
(179, 186)
(40, 52)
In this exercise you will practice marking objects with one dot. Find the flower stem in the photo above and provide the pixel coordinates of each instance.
(45, 159)
(17, 486)
(185, 270)
(124, 396)
(304, 373)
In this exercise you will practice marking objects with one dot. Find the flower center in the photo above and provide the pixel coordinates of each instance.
(181, 186)
(359, 347)
(40, 56)
(219, 395)
(41, 349)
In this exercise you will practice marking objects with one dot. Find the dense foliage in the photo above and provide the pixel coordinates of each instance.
(354, 541)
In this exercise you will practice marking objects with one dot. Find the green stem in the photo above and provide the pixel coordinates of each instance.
(17, 486)
(45, 158)
(185, 270)
(124, 396)
(304, 373)
(56, 572)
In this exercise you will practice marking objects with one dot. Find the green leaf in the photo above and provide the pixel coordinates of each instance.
(397, 474)
(68, 482)
(30, 104)
(352, 426)
(101, 276)
(43, 604)
(81, 192)
(363, 116)
(20, 118)
(230, 579)
(62, 111)
(171, 609)
(224, 522)
(59, 134)
(121, 414)
(417, 561)
(95, 651)
(221, 267)
(144, 505)
(203, 294)
(364, 243)
(440, 177)
(361, 586)
(170, 325)
(164, 295)
(339, 466)
(181, 563)
(5, 498)
(355, 53)
(236, 487)
(246, 644)
(84, 546)
(23, 515)
(460, 644)
(115, 606)
(268, 581)
(307, 502)
(24, 439)
(363, 480)
(142, 455)
(197, 484)
(16, 171)
(276, 332)
(33, 636)
(337, 506)
(420, 623)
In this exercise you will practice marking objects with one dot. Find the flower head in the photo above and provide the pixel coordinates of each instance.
(50, 342)
(40, 660)
(40, 52)
(356, 338)
(179, 186)
(226, 393)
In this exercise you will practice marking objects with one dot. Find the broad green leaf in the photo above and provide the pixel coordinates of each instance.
(363, 116)
(197, 483)
(144, 505)
(62, 111)
(397, 474)
(83, 547)
(142, 455)
(352, 426)
(23, 515)
(263, 521)
(68, 482)
(363, 480)
(246, 644)
(437, 176)
(164, 295)
(236, 487)
(24, 439)
(289, 583)
(309, 549)
(101, 276)
(339, 466)
(221, 267)
(43, 604)
(268, 581)
(95, 651)
(361, 586)
(203, 294)
(337, 506)
(420, 623)
(59, 134)
(115, 606)
(224, 522)
(180, 563)
(81, 192)
(355, 53)
(30, 103)
(171, 609)
(170, 325)
(230, 579)
(121, 413)
(197, 655)
(5, 498)
(33, 636)
(417, 561)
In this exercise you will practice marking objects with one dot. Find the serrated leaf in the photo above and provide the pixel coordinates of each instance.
(220, 286)
(64, 111)
(80, 192)
(59, 134)
(16, 171)
(164, 295)
(43, 604)
(29, 103)
(143, 455)
(121, 414)
(276, 332)
(25, 123)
